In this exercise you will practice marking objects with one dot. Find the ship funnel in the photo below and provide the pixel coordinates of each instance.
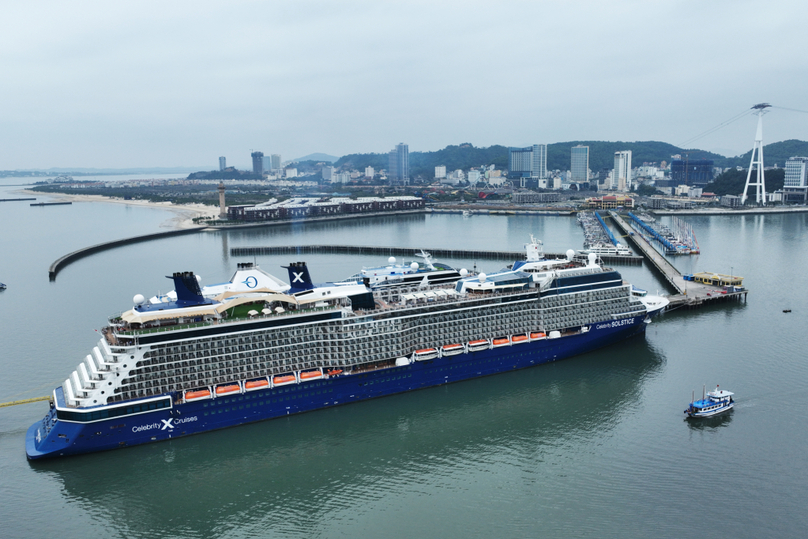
(299, 277)
(187, 288)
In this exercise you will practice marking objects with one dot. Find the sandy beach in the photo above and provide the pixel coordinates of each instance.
(183, 214)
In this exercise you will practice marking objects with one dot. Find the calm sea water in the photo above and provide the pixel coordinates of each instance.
(592, 446)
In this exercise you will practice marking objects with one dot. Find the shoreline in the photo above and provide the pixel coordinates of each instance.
(732, 211)
(184, 214)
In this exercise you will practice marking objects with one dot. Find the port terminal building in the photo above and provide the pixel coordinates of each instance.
(610, 202)
(299, 207)
(715, 279)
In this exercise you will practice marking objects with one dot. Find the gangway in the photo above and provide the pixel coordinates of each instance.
(608, 232)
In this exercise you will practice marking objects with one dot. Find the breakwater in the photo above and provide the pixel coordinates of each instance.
(63, 261)
(405, 251)
(503, 210)
(67, 259)
(732, 211)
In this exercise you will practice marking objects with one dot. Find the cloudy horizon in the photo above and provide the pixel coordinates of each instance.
(152, 84)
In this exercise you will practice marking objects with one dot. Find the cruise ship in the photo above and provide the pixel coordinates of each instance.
(427, 272)
(192, 361)
(607, 249)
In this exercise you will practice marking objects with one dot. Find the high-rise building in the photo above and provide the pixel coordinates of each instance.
(621, 177)
(398, 163)
(276, 161)
(267, 163)
(392, 165)
(579, 163)
(328, 173)
(341, 177)
(369, 172)
(540, 160)
(222, 163)
(440, 172)
(796, 172)
(795, 185)
(688, 171)
(530, 162)
(258, 163)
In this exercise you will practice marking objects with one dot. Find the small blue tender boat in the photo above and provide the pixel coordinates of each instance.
(712, 403)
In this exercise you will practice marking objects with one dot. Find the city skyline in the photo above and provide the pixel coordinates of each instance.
(141, 84)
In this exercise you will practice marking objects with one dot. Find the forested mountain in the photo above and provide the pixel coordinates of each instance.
(462, 156)
(775, 153)
(465, 156)
(733, 181)
(601, 153)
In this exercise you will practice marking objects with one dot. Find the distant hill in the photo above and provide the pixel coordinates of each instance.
(601, 153)
(776, 152)
(732, 181)
(317, 157)
(465, 156)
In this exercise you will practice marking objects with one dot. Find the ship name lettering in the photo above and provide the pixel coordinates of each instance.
(150, 426)
(616, 323)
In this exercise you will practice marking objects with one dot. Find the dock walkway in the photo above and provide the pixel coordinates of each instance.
(690, 293)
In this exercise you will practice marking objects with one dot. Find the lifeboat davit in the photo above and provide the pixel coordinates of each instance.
(311, 375)
(227, 389)
(425, 354)
(480, 344)
(501, 341)
(451, 350)
(197, 395)
(536, 336)
(252, 385)
(284, 379)
(519, 339)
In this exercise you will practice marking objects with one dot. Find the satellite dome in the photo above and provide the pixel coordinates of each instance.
(414, 266)
(482, 277)
(592, 257)
(391, 260)
(570, 254)
(138, 299)
(464, 272)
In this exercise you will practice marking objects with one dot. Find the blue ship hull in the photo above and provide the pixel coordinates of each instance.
(185, 419)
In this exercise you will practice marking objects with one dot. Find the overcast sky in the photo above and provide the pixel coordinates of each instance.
(172, 83)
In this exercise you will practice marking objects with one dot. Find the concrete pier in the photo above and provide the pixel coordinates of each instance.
(690, 293)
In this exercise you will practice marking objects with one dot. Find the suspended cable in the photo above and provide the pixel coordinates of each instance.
(792, 110)
(714, 129)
